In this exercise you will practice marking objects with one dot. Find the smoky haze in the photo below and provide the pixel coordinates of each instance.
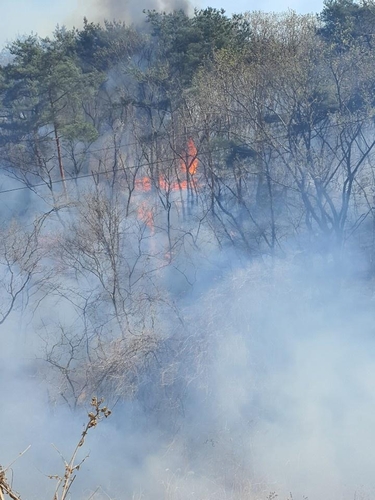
(283, 400)
(129, 11)
(190, 235)
(43, 19)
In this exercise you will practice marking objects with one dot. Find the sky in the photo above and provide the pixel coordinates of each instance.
(19, 17)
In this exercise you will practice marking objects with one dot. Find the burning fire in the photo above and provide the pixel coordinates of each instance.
(145, 214)
(167, 185)
(191, 163)
(188, 167)
(143, 184)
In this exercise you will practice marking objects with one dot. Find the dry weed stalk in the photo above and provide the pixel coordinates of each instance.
(65, 482)
(5, 488)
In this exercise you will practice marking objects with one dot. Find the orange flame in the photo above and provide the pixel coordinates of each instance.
(191, 162)
(145, 214)
(168, 185)
(143, 184)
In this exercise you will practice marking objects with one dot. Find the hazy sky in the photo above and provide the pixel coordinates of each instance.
(41, 16)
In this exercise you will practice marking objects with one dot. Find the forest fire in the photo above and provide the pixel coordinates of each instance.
(191, 163)
(145, 214)
(143, 184)
(181, 179)
(168, 182)
(187, 230)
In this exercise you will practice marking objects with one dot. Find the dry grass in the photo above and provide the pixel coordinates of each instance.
(71, 467)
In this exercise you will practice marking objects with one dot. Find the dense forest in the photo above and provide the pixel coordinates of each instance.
(185, 203)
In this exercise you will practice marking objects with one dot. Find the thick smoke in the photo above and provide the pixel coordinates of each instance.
(284, 400)
(266, 383)
(43, 19)
(129, 11)
(293, 383)
(281, 396)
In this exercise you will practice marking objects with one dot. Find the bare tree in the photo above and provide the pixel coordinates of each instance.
(21, 271)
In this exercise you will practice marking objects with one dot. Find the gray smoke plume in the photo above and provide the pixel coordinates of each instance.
(37, 19)
(130, 11)
(284, 400)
